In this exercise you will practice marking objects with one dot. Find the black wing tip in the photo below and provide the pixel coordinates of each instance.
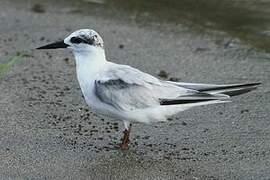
(246, 85)
(165, 102)
(240, 91)
(253, 84)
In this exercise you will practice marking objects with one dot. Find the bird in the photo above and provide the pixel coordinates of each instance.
(125, 93)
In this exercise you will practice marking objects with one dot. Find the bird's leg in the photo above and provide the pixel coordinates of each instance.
(125, 139)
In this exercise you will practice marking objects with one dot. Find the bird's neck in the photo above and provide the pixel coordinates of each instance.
(88, 63)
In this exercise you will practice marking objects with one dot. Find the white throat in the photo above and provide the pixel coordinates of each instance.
(88, 63)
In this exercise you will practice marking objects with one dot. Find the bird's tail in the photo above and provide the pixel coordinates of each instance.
(229, 89)
(206, 94)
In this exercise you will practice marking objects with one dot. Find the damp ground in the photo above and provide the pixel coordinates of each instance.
(48, 132)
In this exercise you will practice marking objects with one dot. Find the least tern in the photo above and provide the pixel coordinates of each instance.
(126, 93)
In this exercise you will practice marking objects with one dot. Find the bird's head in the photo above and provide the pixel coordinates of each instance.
(82, 40)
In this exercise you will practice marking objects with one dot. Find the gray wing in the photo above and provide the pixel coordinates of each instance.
(124, 96)
(126, 88)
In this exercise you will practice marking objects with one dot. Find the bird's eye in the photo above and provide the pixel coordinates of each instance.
(76, 40)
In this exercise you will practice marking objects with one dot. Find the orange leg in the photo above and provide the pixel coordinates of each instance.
(125, 139)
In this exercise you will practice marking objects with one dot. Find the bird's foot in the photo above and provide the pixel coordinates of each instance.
(125, 140)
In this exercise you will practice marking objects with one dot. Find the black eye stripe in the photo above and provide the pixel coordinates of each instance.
(93, 40)
(76, 40)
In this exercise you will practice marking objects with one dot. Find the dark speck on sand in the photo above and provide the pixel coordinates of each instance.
(163, 74)
(38, 8)
(121, 46)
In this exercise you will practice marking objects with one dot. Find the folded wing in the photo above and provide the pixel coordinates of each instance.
(227, 89)
(126, 88)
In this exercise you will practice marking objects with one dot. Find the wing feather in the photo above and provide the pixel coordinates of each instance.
(126, 88)
(124, 96)
(228, 89)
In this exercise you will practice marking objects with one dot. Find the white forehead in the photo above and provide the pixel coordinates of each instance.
(84, 33)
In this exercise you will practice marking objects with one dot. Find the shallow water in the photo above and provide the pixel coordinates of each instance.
(248, 20)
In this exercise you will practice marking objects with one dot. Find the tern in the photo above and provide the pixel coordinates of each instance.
(128, 94)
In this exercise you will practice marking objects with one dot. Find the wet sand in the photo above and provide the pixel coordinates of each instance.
(48, 132)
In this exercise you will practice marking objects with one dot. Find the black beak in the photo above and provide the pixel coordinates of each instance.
(55, 45)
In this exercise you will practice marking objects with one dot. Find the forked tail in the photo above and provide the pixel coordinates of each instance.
(209, 92)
